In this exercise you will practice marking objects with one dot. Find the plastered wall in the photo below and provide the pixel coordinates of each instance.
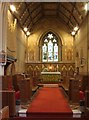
(81, 48)
(16, 44)
(21, 47)
(55, 26)
(88, 42)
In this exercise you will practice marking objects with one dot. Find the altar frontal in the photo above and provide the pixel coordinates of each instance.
(50, 77)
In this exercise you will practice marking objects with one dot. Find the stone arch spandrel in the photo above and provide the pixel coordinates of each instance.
(43, 33)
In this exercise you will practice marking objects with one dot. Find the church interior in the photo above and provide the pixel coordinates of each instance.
(44, 71)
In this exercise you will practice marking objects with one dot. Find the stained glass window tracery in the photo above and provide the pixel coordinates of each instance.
(50, 48)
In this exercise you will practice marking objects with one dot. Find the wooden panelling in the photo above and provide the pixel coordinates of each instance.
(34, 70)
(25, 90)
(16, 79)
(8, 99)
(74, 90)
(87, 98)
(4, 112)
(6, 82)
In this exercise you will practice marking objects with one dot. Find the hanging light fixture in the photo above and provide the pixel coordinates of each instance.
(86, 6)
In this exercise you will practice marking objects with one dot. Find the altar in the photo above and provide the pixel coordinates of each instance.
(50, 77)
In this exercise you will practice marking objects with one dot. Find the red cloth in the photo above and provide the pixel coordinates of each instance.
(81, 95)
(17, 95)
(49, 100)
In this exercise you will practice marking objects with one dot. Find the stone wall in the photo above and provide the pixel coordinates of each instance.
(66, 69)
(16, 45)
(43, 26)
(81, 48)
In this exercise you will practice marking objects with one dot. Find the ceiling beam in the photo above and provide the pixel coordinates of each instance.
(37, 15)
(76, 9)
(71, 12)
(58, 10)
(36, 22)
(64, 15)
(42, 7)
(29, 12)
(23, 12)
(26, 20)
(37, 6)
(64, 22)
(14, 15)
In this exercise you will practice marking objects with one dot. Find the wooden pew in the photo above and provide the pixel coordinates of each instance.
(8, 99)
(4, 113)
(25, 90)
(6, 82)
(7, 95)
(16, 79)
(74, 90)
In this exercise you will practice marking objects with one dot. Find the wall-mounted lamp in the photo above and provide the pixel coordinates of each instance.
(73, 33)
(86, 6)
(12, 8)
(28, 33)
(75, 28)
(25, 29)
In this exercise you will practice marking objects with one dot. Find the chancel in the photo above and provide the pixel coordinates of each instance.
(44, 60)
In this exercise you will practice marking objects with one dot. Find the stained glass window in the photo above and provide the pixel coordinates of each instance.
(50, 48)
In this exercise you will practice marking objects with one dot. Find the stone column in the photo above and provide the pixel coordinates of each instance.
(3, 39)
(27, 51)
(3, 33)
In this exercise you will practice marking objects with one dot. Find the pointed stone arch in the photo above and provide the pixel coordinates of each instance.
(59, 41)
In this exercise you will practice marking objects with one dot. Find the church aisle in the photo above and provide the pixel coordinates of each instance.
(49, 106)
(49, 102)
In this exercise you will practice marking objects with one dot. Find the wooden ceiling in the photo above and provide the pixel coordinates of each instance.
(69, 13)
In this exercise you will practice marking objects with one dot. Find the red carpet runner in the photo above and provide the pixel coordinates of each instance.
(49, 103)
